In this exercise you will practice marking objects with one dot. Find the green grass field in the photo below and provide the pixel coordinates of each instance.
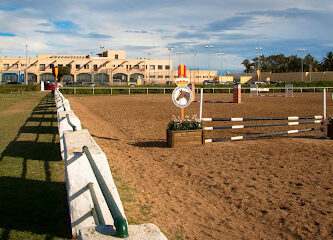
(33, 203)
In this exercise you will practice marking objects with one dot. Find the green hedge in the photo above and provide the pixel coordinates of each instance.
(19, 87)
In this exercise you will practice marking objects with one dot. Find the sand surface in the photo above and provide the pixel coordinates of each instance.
(269, 188)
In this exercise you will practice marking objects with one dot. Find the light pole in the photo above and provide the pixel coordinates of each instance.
(148, 67)
(302, 50)
(209, 47)
(221, 54)
(26, 65)
(169, 64)
(194, 55)
(102, 64)
(179, 53)
(259, 54)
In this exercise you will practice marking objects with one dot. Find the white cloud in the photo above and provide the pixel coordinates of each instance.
(232, 26)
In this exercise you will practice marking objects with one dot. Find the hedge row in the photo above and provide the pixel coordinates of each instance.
(19, 87)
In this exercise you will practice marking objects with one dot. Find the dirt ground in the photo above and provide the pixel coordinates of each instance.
(268, 188)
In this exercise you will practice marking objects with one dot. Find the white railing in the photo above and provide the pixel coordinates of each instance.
(164, 90)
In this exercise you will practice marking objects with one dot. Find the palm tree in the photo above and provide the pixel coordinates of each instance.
(327, 62)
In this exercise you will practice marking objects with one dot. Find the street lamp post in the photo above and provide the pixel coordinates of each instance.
(148, 67)
(102, 64)
(179, 53)
(209, 47)
(221, 54)
(302, 50)
(169, 64)
(194, 55)
(26, 65)
(259, 67)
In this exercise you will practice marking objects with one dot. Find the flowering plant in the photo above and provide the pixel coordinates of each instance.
(187, 124)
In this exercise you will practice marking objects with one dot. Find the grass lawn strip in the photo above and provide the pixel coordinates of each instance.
(33, 201)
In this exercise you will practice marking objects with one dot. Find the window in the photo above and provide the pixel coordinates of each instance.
(69, 65)
(15, 65)
(167, 76)
(22, 65)
(51, 65)
(152, 67)
(6, 66)
(60, 65)
(160, 76)
(42, 67)
(77, 66)
(116, 56)
(136, 66)
(167, 67)
(159, 67)
(86, 66)
(95, 67)
(152, 76)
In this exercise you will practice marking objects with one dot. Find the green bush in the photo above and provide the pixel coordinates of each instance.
(19, 87)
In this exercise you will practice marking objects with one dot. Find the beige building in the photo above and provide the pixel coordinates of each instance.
(109, 67)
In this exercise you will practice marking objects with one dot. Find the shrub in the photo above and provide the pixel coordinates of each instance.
(19, 87)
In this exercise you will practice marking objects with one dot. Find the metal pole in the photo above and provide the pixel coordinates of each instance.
(169, 64)
(302, 69)
(221, 54)
(26, 65)
(96, 204)
(148, 67)
(208, 47)
(201, 100)
(301, 50)
(102, 64)
(119, 221)
(324, 113)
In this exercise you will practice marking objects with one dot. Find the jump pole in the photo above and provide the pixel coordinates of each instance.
(324, 112)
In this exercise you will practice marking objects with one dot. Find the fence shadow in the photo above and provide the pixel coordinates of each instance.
(158, 144)
(35, 206)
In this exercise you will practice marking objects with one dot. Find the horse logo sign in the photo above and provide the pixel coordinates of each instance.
(182, 96)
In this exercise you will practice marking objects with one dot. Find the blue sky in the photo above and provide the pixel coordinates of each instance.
(234, 27)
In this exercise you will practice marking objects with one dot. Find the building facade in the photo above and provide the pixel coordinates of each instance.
(108, 68)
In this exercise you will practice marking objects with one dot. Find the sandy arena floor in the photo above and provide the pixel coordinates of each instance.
(272, 188)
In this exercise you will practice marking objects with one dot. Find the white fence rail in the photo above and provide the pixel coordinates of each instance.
(133, 90)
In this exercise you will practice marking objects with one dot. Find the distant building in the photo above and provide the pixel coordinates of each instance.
(109, 67)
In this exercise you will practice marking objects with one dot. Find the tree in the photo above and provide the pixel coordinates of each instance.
(311, 64)
(327, 62)
(246, 64)
(294, 64)
(62, 71)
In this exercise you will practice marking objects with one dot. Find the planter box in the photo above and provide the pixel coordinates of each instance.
(330, 130)
(185, 137)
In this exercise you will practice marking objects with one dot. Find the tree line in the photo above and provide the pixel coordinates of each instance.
(281, 63)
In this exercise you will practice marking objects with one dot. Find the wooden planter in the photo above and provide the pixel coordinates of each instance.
(185, 138)
(330, 130)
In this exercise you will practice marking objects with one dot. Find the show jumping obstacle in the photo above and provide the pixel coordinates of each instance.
(317, 120)
(255, 91)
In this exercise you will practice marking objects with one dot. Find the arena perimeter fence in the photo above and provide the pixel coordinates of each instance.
(120, 223)
(150, 90)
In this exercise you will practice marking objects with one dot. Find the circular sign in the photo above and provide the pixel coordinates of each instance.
(182, 96)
